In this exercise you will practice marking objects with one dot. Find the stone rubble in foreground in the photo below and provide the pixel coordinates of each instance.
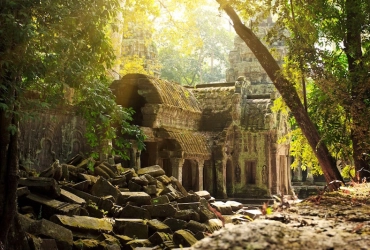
(74, 206)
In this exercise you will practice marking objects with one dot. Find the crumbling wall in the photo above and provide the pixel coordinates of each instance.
(50, 135)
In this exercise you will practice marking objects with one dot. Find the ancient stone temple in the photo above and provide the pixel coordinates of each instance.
(219, 137)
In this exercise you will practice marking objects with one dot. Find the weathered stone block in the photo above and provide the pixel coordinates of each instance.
(102, 187)
(164, 179)
(175, 224)
(71, 198)
(203, 194)
(62, 236)
(175, 182)
(139, 198)
(141, 180)
(83, 226)
(195, 227)
(42, 185)
(154, 171)
(134, 187)
(235, 206)
(214, 225)
(222, 207)
(47, 207)
(158, 226)
(22, 191)
(119, 181)
(150, 189)
(189, 198)
(120, 224)
(159, 237)
(161, 210)
(184, 238)
(163, 199)
(134, 212)
(151, 179)
(205, 214)
(139, 243)
(83, 186)
(192, 205)
(188, 214)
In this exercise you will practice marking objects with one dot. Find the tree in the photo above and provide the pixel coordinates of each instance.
(201, 54)
(44, 47)
(287, 91)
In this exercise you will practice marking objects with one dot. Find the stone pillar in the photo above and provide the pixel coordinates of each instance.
(200, 174)
(177, 164)
(135, 158)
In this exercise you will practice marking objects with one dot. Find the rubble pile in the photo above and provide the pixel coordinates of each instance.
(97, 205)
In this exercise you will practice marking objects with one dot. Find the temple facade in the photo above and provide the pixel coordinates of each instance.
(218, 137)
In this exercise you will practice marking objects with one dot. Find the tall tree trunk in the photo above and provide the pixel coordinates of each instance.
(288, 93)
(8, 169)
(358, 76)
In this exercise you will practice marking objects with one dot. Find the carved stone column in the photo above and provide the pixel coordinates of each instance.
(177, 164)
(200, 174)
(135, 157)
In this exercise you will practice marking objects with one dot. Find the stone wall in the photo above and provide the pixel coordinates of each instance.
(50, 135)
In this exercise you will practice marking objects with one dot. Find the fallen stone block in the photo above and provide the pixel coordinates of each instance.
(71, 198)
(205, 214)
(164, 179)
(122, 227)
(150, 189)
(151, 179)
(139, 198)
(203, 194)
(161, 210)
(175, 224)
(163, 199)
(137, 243)
(50, 244)
(22, 191)
(134, 187)
(130, 211)
(179, 186)
(119, 181)
(214, 225)
(187, 215)
(158, 226)
(86, 244)
(44, 228)
(195, 227)
(192, 205)
(189, 198)
(109, 241)
(222, 207)
(159, 238)
(87, 177)
(47, 207)
(83, 186)
(83, 226)
(154, 171)
(102, 187)
(102, 203)
(43, 185)
(252, 213)
(235, 206)
(184, 238)
(141, 180)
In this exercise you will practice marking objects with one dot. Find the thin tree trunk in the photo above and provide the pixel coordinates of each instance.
(8, 172)
(289, 95)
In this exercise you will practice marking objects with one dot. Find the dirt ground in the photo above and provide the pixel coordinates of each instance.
(328, 220)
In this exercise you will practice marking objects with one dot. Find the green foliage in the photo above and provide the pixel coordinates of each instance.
(48, 47)
(193, 43)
